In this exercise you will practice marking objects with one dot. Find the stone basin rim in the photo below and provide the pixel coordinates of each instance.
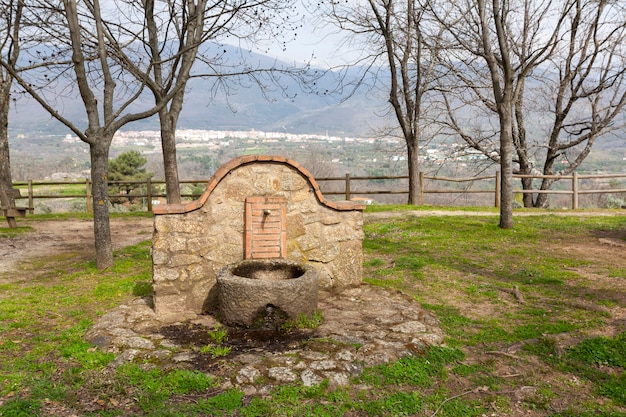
(267, 270)
(241, 299)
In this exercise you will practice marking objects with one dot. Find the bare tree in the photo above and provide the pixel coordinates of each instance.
(565, 64)
(585, 86)
(396, 35)
(493, 47)
(93, 39)
(174, 34)
(11, 12)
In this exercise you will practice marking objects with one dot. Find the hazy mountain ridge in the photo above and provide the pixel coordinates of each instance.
(287, 107)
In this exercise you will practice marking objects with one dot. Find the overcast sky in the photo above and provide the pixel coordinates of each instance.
(324, 44)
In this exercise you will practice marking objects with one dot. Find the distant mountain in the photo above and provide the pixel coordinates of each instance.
(241, 106)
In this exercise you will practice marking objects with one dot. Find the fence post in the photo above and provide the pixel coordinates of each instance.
(149, 193)
(421, 177)
(498, 189)
(31, 200)
(88, 194)
(574, 190)
(348, 196)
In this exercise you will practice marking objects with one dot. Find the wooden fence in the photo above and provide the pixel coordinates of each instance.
(350, 186)
(493, 180)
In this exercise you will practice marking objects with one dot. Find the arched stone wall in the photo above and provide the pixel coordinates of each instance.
(193, 241)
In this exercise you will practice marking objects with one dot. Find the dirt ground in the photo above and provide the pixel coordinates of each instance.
(75, 237)
(66, 237)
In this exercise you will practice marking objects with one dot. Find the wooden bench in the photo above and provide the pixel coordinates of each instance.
(12, 212)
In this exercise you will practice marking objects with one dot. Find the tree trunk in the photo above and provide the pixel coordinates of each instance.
(548, 169)
(525, 169)
(99, 151)
(542, 199)
(170, 165)
(521, 145)
(169, 121)
(6, 181)
(527, 184)
(414, 177)
(506, 167)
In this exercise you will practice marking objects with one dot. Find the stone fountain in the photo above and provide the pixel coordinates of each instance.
(263, 229)
(261, 237)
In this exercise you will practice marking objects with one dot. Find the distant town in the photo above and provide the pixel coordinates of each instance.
(149, 141)
(201, 152)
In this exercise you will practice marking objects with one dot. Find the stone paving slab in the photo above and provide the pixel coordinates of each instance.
(362, 327)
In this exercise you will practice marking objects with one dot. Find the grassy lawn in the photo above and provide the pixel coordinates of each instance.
(534, 318)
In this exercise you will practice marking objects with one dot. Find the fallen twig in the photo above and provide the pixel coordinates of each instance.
(515, 292)
(475, 390)
(498, 352)
(586, 306)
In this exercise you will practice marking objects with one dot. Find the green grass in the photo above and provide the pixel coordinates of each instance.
(8, 232)
(476, 260)
(215, 348)
(377, 208)
(219, 335)
(304, 321)
(74, 216)
(460, 268)
(415, 371)
(598, 359)
(155, 385)
(44, 319)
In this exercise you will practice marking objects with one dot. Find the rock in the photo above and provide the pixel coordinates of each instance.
(312, 356)
(168, 344)
(354, 369)
(410, 327)
(284, 359)
(248, 358)
(345, 356)
(135, 342)
(100, 340)
(431, 338)
(310, 378)
(338, 379)
(183, 357)
(323, 365)
(242, 299)
(121, 332)
(248, 390)
(247, 375)
(282, 374)
(125, 357)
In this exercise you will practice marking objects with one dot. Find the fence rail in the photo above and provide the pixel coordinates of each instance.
(575, 191)
(351, 186)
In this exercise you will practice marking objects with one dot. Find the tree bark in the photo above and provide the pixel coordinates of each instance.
(6, 180)
(168, 118)
(99, 152)
(521, 144)
(506, 167)
(501, 74)
(414, 177)
(170, 164)
(12, 47)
